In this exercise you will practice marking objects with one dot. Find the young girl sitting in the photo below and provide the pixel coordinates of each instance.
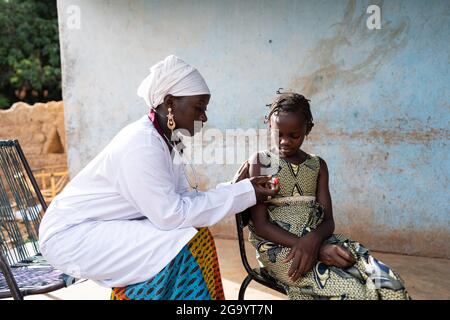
(293, 232)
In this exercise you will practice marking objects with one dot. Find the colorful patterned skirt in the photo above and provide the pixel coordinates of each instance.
(192, 275)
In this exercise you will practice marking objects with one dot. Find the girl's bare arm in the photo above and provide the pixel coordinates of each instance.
(326, 228)
(263, 227)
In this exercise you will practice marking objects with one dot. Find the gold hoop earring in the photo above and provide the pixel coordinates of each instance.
(170, 121)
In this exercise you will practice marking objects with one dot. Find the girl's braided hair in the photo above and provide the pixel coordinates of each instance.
(291, 102)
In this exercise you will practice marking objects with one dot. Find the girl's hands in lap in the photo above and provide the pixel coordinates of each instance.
(303, 255)
(334, 255)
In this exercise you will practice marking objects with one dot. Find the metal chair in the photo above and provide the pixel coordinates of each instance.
(23, 270)
(260, 275)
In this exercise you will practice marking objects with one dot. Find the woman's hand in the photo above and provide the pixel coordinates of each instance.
(242, 173)
(334, 255)
(304, 255)
(263, 188)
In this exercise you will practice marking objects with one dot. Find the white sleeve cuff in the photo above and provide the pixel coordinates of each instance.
(223, 184)
(245, 193)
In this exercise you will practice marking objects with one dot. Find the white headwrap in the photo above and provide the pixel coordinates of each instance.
(171, 76)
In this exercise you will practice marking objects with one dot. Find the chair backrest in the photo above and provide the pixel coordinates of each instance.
(21, 204)
(242, 220)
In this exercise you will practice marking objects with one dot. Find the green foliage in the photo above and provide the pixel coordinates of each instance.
(30, 68)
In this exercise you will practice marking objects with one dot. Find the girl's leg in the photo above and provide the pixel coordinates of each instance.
(324, 282)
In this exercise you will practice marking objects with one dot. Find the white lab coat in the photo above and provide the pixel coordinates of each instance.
(129, 212)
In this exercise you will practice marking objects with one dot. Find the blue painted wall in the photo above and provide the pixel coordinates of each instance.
(380, 98)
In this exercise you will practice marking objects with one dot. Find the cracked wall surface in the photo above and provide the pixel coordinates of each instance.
(380, 98)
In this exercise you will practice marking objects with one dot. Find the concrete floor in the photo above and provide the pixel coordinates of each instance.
(426, 278)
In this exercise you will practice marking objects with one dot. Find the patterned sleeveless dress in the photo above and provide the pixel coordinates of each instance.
(295, 210)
